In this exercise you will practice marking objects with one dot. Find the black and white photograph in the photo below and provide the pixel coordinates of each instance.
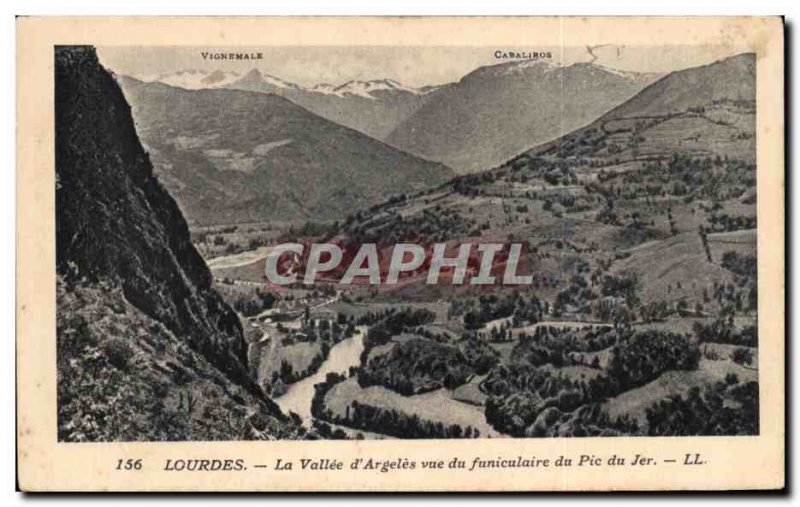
(624, 179)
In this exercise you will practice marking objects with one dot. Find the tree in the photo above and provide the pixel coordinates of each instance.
(742, 356)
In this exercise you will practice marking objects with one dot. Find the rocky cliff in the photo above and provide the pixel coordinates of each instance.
(122, 244)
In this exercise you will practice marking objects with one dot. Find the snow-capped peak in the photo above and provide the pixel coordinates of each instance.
(521, 65)
(193, 79)
(324, 88)
(256, 74)
(366, 88)
(219, 78)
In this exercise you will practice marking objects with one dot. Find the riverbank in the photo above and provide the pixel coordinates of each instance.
(342, 356)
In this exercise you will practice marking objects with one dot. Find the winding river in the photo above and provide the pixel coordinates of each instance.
(342, 356)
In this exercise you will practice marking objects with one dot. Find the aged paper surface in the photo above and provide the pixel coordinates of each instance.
(400, 254)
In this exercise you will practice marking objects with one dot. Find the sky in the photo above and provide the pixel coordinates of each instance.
(412, 66)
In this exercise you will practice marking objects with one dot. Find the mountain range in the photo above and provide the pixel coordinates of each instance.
(485, 118)
(702, 111)
(238, 156)
(496, 112)
(372, 107)
(488, 117)
(196, 79)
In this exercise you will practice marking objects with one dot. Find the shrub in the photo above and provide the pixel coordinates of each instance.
(742, 356)
(118, 352)
(417, 365)
(723, 408)
(643, 357)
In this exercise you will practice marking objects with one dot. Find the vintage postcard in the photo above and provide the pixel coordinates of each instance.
(400, 254)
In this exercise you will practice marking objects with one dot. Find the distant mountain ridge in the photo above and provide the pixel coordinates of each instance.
(196, 79)
(497, 111)
(705, 110)
(731, 78)
(372, 107)
(193, 79)
(237, 156)
(488, 116)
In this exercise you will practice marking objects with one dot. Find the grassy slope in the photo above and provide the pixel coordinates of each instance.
(235, 156)
(435, 406)
(636, 401)
(124, 376)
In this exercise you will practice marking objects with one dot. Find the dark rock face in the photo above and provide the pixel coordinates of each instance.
(115, 222)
